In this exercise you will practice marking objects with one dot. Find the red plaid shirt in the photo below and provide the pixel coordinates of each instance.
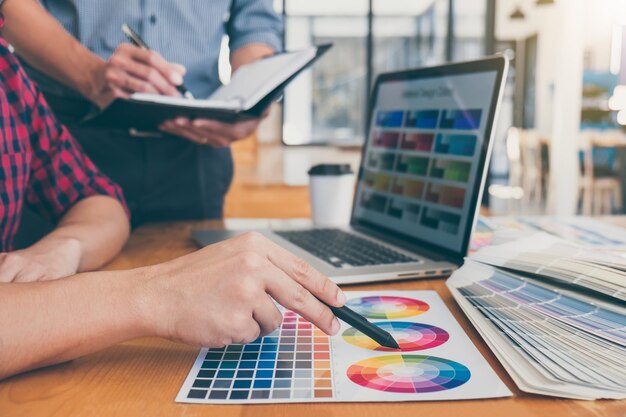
(40, 163)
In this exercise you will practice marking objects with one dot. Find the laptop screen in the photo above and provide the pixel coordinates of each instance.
(423, 163)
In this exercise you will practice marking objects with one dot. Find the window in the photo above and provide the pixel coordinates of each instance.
(336, 84)
(369, 37)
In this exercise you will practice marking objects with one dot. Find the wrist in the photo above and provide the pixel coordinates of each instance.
(149, 307)
(92, 85)
(121, 302)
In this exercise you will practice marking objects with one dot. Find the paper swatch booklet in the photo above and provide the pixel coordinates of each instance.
(250, 92)
(552, 311)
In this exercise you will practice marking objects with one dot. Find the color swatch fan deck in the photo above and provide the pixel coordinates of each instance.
(299, 363)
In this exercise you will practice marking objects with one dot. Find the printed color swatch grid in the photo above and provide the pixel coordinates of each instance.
(292, 362)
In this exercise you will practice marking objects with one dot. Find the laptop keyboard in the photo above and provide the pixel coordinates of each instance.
(342, 249)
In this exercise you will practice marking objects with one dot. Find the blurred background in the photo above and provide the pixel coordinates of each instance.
(560, 144)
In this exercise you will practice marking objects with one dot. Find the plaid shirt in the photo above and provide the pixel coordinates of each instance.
(40, 163)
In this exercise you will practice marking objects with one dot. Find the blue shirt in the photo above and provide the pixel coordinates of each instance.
(188, 32)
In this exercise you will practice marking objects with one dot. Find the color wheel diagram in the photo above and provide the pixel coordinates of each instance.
(408, 373)
(402, 373)
(410, 336)
(387, 307)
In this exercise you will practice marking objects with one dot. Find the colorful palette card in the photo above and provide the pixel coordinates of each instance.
(299, 363)
(551, 340)
(582, 230)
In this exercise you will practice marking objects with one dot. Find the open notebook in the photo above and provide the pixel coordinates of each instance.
(250, 92)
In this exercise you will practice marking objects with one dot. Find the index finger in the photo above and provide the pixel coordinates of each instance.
(172, 72)
(304, 274)
(297, 298)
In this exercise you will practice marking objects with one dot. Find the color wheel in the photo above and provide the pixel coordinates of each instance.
(408, 373)
(410, 336)
(387, 307)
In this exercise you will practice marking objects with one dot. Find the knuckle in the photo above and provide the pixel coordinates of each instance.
(109, 75)
(115, 60)
(252, 238)
(250, 260)
(140, 86)
(152, 57)
(222, 342)
(302, 269)
(300, 296)
(151, 74)
(129, 83)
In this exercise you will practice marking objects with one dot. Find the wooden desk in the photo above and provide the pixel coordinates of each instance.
(142, 377)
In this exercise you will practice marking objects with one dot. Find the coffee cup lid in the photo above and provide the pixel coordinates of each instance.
(330, 169)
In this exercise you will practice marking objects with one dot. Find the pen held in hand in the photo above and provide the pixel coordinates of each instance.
(363, 325)
(136, 40)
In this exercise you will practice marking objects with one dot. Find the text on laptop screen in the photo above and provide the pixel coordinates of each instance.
(421, 166)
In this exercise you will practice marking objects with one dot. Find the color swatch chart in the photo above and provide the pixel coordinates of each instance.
(299, 363)
(420, 169)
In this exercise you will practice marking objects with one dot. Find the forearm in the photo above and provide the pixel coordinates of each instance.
(249, 53)
(44, 43)
(97, 227)
(44, 323)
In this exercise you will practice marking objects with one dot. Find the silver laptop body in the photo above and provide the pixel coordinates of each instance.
(422, 173)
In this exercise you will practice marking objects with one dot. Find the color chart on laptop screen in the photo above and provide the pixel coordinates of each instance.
(421, 166)
(299, 363)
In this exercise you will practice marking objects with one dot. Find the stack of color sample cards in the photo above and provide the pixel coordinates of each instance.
(582, 267)
(299, 363)
(558, 328)
(582, 230)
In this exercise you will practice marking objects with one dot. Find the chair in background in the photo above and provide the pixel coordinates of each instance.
(527, 177)
(514, 156)
(600, 188)
(532, 169)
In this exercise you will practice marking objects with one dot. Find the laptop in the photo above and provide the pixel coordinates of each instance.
(420, 182)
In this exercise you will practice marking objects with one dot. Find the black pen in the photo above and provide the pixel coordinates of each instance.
(363, 325)
(136, 40)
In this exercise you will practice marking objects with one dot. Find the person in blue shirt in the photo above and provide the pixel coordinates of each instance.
(75, 50)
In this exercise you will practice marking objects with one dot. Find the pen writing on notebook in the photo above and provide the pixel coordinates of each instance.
(363, 325)
(136, 40)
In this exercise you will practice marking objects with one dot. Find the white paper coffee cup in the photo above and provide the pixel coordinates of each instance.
(331, 189)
